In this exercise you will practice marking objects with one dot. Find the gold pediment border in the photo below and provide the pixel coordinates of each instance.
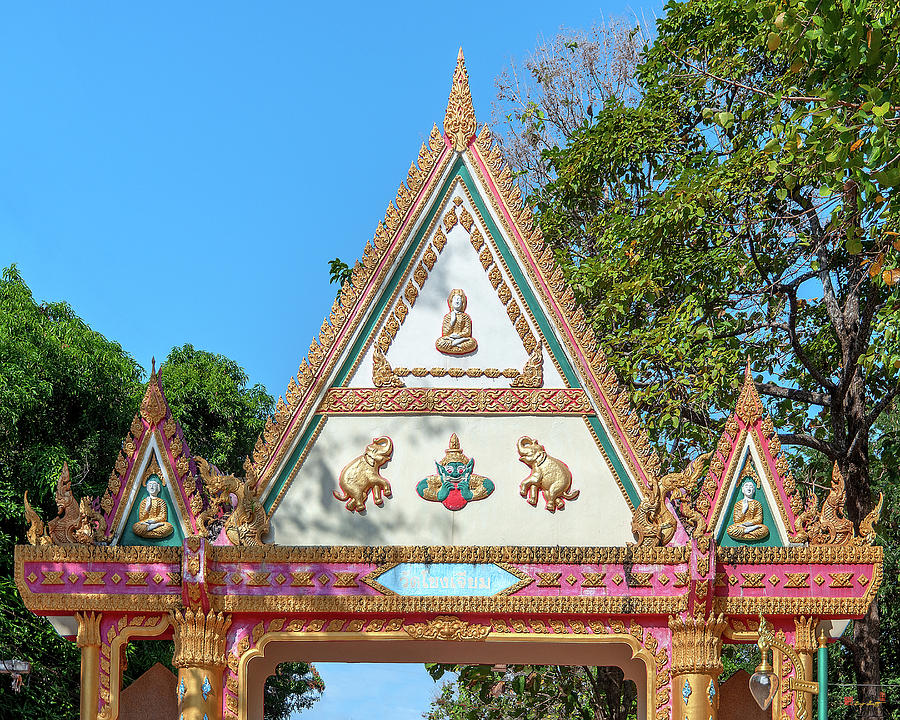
(540, 265)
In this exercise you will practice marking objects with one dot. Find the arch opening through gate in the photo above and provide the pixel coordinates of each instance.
(636, 663)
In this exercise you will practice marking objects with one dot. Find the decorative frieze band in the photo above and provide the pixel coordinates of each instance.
(489, 401)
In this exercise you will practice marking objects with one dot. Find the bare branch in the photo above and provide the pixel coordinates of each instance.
(805, 396)
(809, 441)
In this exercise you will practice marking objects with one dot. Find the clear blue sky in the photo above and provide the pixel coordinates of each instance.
(183, 172)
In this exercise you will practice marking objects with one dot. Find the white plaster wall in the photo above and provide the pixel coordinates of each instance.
(499, 345)
(310, 515)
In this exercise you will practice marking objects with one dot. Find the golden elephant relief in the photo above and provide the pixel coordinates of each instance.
(362, 475)
(549, 476)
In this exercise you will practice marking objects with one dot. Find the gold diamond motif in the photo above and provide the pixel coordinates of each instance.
(73, 578)
(863, 580)
(819, 579)
(571, 579)
(617, 579)
(116, 578)
(158, 578)
(773, 580)
(323, 579)
(236, 578)
(279, 578)
(32, 577)
(732, 580)
(663, 579)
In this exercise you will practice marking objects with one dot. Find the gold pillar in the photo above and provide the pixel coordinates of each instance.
(88, 640)
(806, 645)
(696, 666)
(200, 659)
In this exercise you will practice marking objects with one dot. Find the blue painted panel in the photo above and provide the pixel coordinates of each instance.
(447, 579)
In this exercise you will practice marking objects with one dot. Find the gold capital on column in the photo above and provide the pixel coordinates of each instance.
(199, 637)
(697, 644)
(88, 640)
(696, 666)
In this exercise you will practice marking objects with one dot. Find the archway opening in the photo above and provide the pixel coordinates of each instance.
(608, 652)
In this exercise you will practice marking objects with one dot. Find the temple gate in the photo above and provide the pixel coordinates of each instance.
(453, 475)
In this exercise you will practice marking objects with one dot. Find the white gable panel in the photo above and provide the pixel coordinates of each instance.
(309, 514)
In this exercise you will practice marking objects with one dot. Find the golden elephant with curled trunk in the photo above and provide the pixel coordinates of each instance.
(362, 475)
(548, 475)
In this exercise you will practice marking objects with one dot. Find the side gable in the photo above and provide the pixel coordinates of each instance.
(455, 163)
(154, 447)
(749, 450)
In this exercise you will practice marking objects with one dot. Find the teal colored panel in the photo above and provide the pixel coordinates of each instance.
(175, 538)
(292, 460)
(725, 540)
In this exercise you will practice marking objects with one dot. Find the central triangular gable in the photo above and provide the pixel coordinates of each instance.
(376, 354)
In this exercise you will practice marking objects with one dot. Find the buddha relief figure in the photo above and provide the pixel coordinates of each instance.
(456, 330)
(153, 515)
(747, 520)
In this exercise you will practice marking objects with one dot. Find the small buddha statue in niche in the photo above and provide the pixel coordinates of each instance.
(456, 330)
(747, 519)
(153, 515)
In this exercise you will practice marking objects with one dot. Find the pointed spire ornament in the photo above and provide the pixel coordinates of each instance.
(459, 120)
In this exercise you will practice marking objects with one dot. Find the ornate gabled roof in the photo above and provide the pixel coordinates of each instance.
(750, 446)
(475, 158)
(154, 444)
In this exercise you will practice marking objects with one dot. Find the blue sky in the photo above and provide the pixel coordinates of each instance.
(183, 172)
(370, 691)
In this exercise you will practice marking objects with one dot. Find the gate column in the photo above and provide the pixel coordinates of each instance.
(200, 659)
(696, 666)
(88, 641)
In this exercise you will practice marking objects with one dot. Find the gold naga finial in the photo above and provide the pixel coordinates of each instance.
(459, 121)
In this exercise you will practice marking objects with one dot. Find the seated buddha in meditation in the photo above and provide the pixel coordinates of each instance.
(456, 330)
(153, 516)
(747, 521)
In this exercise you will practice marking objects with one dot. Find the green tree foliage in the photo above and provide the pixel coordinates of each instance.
(69, 394)
(532, 692)
(221, 416)
(747, 207)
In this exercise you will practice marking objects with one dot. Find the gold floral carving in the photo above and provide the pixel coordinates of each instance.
(459, 120)
(362, 475)
(247, 523)
(447, 627)
(549, 476)
(382, 374)
(76, 523)
(697, 644)
(653, 523)
(199, 637)
(532, 375)
(475, 401)
(153, 406)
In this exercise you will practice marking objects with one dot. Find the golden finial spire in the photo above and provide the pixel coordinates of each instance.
(459, 120)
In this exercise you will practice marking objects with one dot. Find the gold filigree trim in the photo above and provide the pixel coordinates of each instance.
(447, 627)
(459, 120)
(488, 401)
